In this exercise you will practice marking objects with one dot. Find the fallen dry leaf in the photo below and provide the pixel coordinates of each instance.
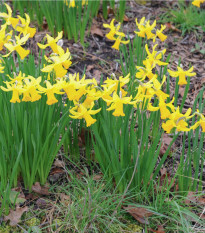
(166, 140)
(31, 196)
(57, 170)
(159, 230)
(89, 67)
(55, 174)
(97, 75)
(96, 31)
(37, 188)
(15, 215)
(85, 133)
(203, 80)
(16, 197)
(65, 199)
(202, 216)
(181, 90)
(80, 175)
(201, 200)
(45, 24)
(42, 203)
(163, 171)
(110, 11)
(172, 27)
(164, 179)
(97, 177)
(139, 213)
(191, 197)
(126, 19)
(59, 163)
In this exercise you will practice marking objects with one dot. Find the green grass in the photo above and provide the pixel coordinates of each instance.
(81, 203)
(170, 209)
(76, 204)
(187, 19)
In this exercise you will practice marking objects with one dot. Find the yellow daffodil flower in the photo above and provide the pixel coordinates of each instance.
(145, 29)
(154, 57)
(145, 91)
(141, 27)
(17, 79)
(1, 67)
(4, 37)
(159, 34)
(16, 91)
(145, 72)
(113, 84)
(92, 94)
(119, 40)
(50, 90)
(157, 88)
(17, 46)
(52, 42)
(106, 93)
(24, 27)
(197, 2)
(84, 2)
(60, 64)
(165, 112)
(177, 120)
(72, 3)
(75, 87)
(143, 95)
(117, 104)
(8, 17)
(200, 122)
(29, 90)
(81, 112)
(182, 74)
(113, 29)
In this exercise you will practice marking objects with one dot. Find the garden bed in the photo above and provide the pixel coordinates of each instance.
(78, 175)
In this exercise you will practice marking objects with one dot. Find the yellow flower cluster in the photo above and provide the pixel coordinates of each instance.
(146, 30)
(152, 88)
(84, 94)
(28, 86)
(114, 31)
(146, 91)
(198, 2)
(21, 27)
(60, 60)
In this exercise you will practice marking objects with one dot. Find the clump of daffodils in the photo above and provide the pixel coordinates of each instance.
(14, 42)
(145, 30)
(149, 85)
(84, 94)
